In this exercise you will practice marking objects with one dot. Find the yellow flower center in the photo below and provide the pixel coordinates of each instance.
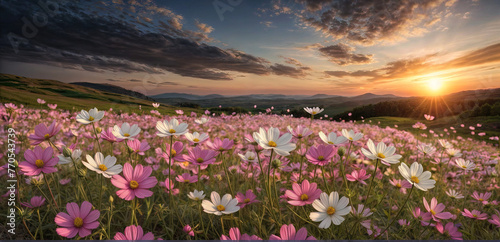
(91, 118)
(102, 167)
(46, 136)
(173, 152)
(314, 112)
(299, 136)
(329, 142)
(196, 140)
(474, 215)
(247, 200)
(126, 134)
(321, 158)
(221, 149)
(380, 155)
(433, 213)
(186, 180)
(251, 158)
(185, 163)
(480, 199)
(330, 211)
(221, 207)
(200, 160)
(465, 167)
(78, 222)
(272, 143)
(415, 179)
(172, 131)
(134, 184)
(350, 138)
(304, 197)
(398, 185)
(39, 163)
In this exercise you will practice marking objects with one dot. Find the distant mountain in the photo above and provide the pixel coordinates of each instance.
(186, 96)
(113, 89)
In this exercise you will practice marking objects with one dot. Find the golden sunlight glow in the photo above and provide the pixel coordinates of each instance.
(434, 84)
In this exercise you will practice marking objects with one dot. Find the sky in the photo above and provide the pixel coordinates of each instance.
(237, 47)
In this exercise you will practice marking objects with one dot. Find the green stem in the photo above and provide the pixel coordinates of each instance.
(168, 186)
(50, 190)
(371, 182)
(97, 138)
(40, 223)
(397, 215)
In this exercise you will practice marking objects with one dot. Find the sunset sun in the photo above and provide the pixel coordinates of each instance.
(435, 85)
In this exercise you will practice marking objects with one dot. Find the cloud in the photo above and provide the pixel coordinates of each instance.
(268, 24)
(205, 28)
(341, 54)
(114, 41)
(113, 80)
(366, 22)
(425, 65)
(134, 80)
(284, 70)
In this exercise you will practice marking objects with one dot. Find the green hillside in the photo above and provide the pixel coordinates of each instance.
(23, 90)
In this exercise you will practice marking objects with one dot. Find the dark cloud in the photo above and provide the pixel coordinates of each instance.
(367, 22)
(284, 70)
(81, 37)
(134, 80)
(112, 80)
(341, 54)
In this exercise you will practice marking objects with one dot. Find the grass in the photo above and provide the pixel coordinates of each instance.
(490, 125)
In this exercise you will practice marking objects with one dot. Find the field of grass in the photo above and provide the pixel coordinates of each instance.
(26, 91)
(489, 125)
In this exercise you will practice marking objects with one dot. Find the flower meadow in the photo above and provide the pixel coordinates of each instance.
(99, 174)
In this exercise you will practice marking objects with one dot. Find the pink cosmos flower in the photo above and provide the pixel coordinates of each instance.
(287, 232)
(187, 178)
(64, 181)
(304, 194)
(450, 230)
(36, 201)
(220, 145)
(422, 217)
(52, 106)
(78, 220)
(234, 234)
(475, 214)
(482, 197)
(109, 136)
(402, 184)
(38, 161)
(299, 132)
(40, 101)
(495, 220)
(175, 151)
(188, 230)
(133, 232)
(135, 182)
(138, 147)
(436, 210)
(169, 187)
(358, 176)
(320, 155)
(198, 156)
(246, 199)
(42, 133)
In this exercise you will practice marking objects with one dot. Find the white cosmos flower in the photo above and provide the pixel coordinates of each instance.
(453, 152)
(332, 138)
(417, 176)
(76, 155)
(105, 166)
(427, 149)
(350, 135)
(92, 116)
(381, 152)
(330, 209)
(313, 111)
(445, 144)
(249, 156)
(169, 128)
(201, 120)
(196, 195)
(156, 105)
(454, 194)
(196, 137)
(227, 205)
(465, 164)
(126, 132)
(272, 140)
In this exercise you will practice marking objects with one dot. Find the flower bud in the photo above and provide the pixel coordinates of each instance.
(276, 163)
(82, 172)
(111, 199)
(98, 129)
(341, 151)
(66, 152)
